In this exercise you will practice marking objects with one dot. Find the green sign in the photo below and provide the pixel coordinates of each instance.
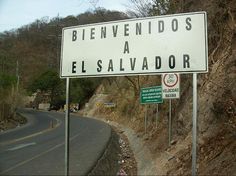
(151, 95)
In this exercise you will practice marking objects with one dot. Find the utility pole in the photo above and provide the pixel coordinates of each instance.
(3, 59)
(57, 35)
(2, 103)
(17, 76)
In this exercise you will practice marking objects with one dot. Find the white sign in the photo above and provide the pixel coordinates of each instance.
(170, 86)
(160, 44)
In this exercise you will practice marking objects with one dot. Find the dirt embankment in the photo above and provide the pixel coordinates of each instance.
(118, 158)
(13, 122)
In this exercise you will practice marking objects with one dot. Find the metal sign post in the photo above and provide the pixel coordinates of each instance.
(67, 127)
(170, 90)
(145, 120)
(157, 116)
(170, 123)
(150, 95)
(194, 147)
(170, 86)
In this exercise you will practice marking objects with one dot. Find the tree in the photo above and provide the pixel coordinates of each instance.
(162, 7)
(49, 82)
(145, 8)
(83, 89)
(139, 8)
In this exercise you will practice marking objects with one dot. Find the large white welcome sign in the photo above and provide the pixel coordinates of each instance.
(160, 44)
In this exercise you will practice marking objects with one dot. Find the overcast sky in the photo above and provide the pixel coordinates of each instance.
(16, 13)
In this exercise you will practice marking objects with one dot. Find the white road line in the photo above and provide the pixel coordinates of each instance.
(20, 146)
(36, 156)
(32, 135)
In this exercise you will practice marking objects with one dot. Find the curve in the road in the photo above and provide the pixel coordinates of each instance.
(31, 129)
(43, 154)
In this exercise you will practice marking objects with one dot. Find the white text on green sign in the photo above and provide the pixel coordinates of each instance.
(151, 95)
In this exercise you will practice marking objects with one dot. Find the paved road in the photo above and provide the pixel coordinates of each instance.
(38, 149)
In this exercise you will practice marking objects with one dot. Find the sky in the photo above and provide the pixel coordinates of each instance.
(16, 13)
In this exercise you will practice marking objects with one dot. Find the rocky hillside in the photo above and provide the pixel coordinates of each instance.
(216, 151)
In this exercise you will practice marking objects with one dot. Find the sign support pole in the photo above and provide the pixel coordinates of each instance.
(194, 137)
(170, 122)
(157, 116)
(67, 127)
(145, 120)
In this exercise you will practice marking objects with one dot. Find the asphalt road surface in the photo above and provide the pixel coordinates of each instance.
(38, 149)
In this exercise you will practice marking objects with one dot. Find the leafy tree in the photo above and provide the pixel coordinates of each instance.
(50, 82)
(47, 81)
(83, 89)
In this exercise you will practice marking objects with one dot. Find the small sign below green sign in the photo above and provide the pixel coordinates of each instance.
(151, 95)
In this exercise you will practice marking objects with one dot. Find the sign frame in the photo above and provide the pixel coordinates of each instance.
(155, 101)
(128, 73)
(165, 86)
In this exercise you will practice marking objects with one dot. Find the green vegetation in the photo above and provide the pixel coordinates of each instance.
(7, 81)
(83, 89)
(49, 82)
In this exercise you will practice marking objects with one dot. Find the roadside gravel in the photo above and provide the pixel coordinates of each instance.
(146, 165)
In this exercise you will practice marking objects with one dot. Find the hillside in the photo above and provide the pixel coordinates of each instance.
(29, 63)
(216, 151)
